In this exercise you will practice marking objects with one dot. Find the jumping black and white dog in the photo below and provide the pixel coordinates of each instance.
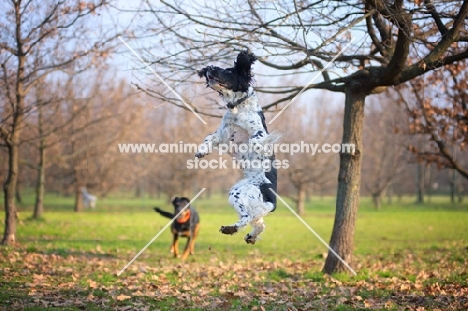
(244, 123)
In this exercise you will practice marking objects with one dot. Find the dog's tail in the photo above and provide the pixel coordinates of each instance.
(268, 144)
(273, 138)
(163, 213)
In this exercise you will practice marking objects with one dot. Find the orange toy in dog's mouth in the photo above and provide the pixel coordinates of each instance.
(184, 218)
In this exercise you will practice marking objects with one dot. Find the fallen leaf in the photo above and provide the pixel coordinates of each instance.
(122, 297)
(91, 283)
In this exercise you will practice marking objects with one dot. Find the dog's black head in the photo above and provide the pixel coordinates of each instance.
(179, 203)
(236, 79)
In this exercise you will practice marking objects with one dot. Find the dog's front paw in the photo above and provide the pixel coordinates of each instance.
(250, 239)
(228, 230)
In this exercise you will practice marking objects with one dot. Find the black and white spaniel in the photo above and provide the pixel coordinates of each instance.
(244, 123)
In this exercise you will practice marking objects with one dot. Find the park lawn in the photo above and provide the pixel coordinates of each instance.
(406, 255)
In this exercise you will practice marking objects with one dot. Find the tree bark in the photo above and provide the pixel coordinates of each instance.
(376, 199)
(78, 199)
(421, 177)
(9, 187)
(349, 177)
(77, 181)
(9, 235)
(138, 191)
(301, 200)
(390, 194)
(453, 187)
(39, 204)
(18, 197)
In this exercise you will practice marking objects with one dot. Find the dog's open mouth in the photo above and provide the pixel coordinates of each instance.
(213, 81)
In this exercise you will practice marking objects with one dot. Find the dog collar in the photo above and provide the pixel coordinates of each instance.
(239, 101)
(185, 219)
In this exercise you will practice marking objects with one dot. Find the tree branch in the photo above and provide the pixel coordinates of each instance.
(371, 32)
(4, 46)
(449, 38)
(398, 61)
(432, 131)
(4, 134)
(422, 67)
(435, 15)
(7, 85)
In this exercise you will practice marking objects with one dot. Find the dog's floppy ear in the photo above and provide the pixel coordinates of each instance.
(244, 62)
(174, 201)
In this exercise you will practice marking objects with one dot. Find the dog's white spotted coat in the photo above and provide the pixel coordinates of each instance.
(243, 124)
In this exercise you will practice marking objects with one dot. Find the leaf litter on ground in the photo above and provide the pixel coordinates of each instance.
(430, 280)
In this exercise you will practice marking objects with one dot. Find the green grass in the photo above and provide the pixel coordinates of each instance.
(125, 224)
(387, 232)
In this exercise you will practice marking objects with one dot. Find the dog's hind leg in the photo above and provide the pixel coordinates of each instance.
(258, 227)
(240, 199)
(243, 221)
(187, 248)
(247, 199)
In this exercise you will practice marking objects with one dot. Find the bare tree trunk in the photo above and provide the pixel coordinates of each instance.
(78, 199)
(138, 191)
(9, 187)
(18, 194)
(301, 195)
(420, 198)
(453, 187)
(39, 204)
(349, 178)
(77, 183)
(77, 180)
(390, 194)
(9, 235)
(428, 177)
(376, 199)
(158, 192)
